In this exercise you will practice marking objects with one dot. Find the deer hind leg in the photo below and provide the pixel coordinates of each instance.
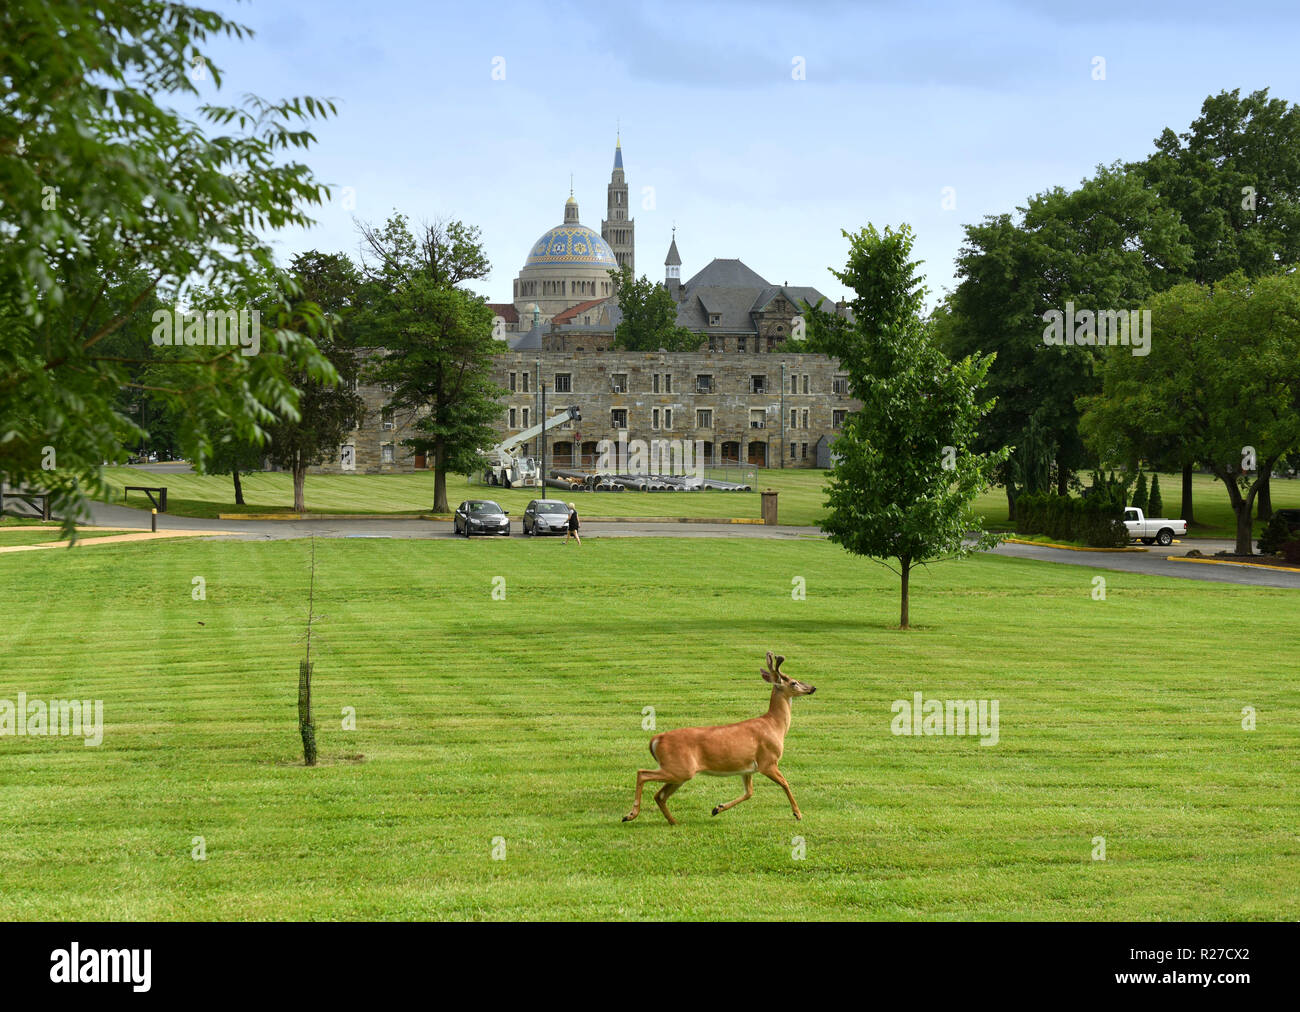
(642, 778)
(749, 793)
(661, 798)
(774, 775)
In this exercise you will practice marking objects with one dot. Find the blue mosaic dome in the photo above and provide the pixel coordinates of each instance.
(571, 245)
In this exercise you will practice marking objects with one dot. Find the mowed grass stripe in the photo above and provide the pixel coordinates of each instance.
(522, 719)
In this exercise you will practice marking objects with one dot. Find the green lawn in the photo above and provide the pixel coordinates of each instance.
(801, 499)
(521, 719)
(17, 531)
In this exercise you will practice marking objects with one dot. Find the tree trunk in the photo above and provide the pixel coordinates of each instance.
(305, 724)
(1186, 512)
(1264, 499)
(1241, 508)
(439, 480)
(1011, 501)
(299, 481)
(239, 489)
(906, 571)
(1062, 480)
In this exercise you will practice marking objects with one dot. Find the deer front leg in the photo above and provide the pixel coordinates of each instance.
(774, 775)
(642, 777)
(749, 793)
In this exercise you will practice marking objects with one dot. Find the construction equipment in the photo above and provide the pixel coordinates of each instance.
(503, 464)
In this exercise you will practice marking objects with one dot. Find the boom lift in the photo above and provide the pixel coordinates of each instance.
(505, 467)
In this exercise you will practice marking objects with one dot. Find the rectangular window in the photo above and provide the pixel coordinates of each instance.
(703, 418)
(837, 419)
(386, 419)
(386, 453)
(740, 344)
(757, 384)
(805, 419)
(525, 414)
(757, 418)
(618, 418)
(713, 344)
(523, 387)
(668, 382)
(564, 383)
(840, 386)
(655, 384)
(704, 384)
(794, 419)
(654, 418)
(792, 448)
(513, 377)
(715, 319)
(794, 384)
(618, 381)
(805, 382)
(803, 450)
(512, 419)
(668, 418)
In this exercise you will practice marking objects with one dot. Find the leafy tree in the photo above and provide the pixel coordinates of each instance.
(433, 341)
(327, 411)
(649, 314)
(111, 200)
(1155, 503)
(1234, 178)
(232, 456)
(1222, 375)
(1107, 245)
(906, 476)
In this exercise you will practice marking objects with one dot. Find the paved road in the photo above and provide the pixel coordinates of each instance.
(1153, 561)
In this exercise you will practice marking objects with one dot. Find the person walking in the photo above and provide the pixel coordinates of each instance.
(573, 525)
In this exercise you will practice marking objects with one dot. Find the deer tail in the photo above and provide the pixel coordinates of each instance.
(652, 747)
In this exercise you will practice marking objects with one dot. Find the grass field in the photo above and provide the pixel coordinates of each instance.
(18, 531)
(801, 499)
(520, 719)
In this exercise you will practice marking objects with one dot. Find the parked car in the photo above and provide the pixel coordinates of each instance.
(480, 516)
(546, 516)
(1152, 530)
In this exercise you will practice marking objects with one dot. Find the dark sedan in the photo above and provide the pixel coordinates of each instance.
(480, 516)
(546, 516)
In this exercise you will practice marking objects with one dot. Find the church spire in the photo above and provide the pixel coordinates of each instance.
(618, 229)
(673, 266)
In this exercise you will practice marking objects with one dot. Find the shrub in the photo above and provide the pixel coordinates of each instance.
(1276, 533)
(1155, 504)
(1140, 493)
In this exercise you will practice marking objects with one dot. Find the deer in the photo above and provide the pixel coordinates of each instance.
(729, 750)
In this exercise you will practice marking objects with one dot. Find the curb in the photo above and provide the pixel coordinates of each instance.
(1068, 548)
(1228, 562)
(321, 516)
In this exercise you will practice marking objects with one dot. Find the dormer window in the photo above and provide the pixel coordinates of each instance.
(715, 319)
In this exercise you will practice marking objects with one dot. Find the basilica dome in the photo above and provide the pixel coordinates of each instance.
(571, 245)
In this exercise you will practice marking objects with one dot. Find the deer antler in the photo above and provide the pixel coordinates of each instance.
(777, 668)
(774, 663)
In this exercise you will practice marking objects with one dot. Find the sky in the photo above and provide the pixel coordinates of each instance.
(762, 130)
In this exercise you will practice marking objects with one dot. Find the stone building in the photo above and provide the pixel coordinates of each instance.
(745, 401)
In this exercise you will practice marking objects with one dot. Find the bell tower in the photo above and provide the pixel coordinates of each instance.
(618, 229)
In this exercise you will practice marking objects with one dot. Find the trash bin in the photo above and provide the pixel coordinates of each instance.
(769, 506)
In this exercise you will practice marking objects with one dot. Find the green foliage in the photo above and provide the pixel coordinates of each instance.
(906, 475)
(1277, 532)
(1222, 375)
(649, 314)
(1155, 503)
(437, 341)
(1094, 519)
(1107, 245)
(112, 203)
(1140, 493)
(1234, 178)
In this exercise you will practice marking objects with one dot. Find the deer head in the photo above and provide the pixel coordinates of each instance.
(783, 683)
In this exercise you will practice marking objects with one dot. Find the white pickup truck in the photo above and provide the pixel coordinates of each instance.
(1150, 530)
